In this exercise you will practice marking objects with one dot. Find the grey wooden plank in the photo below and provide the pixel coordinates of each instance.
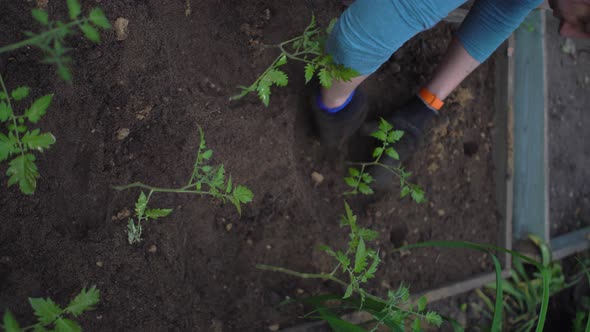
(530, 131)
(570, 243)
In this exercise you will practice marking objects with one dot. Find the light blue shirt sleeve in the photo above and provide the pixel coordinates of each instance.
(370, 31)
(490, 23)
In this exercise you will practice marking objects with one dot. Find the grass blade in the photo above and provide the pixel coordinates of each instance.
(546, 274)
(497, 320)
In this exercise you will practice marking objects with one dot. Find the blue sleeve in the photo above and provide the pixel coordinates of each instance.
(370, 31)
(490, 22)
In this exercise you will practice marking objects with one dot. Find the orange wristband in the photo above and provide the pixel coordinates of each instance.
(430, 99)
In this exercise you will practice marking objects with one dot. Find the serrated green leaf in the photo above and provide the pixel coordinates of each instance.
(378, 151)
(84, 301)
(365, 189)
(342, 259)
(133, 232)
(418, 195)
(351, 182)
(309, 71)
(405, 191)
(35, 141)
(380, 135)
(40, 16)
(392, 153)
(368, 234)
(64, 72)
(45, 309)
(5, 112)
(354, 172)
(90, 32)
(370, 273)
(207, 154)
(325, 78)
(282, 60)
(140, 205)
(367, 178)
(10, 323)
(206, 168)
(422, 302)
(326, 249)
(98, 18)
(263, 89)
(360, 257)
(278, 77)
(20, 93)
(73, 8)
(243, 194)
(219, 178)
(22, 170)
(67, 325)
(395, 136)
(157, 213)
(8, 146)
(384, 125)
(416, 325)
(40, 328)
(228, 188)
(434, 319)
(348, 292)
(344, 74)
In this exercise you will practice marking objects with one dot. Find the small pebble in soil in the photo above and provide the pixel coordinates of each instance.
(395, 68)
(121, 27)
(274, 327)
(268, 247)
(249, 242)
(300, 291)
(228, 227)
(317, 178)
(152, 249)
(42, 4)
(122, 133)
(378, 214)
(441, 212)
(123, 214)
(99, 264)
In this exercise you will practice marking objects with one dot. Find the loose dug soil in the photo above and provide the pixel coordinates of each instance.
(193, 271)
(569, 147)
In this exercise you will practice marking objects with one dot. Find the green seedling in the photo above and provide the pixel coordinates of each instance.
(21, 142)
(359, 180)
(307, 48)
(205, 180)
(523, 294)
(51, 38)
(51, 317)
(354, 267)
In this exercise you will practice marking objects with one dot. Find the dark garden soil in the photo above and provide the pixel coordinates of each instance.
(195, 271)
(569, 137)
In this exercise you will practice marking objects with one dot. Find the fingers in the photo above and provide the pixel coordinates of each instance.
(574, 30)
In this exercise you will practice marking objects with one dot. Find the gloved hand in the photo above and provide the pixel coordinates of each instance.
(411, 119)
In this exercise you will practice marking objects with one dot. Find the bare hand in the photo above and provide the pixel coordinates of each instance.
(574, 16)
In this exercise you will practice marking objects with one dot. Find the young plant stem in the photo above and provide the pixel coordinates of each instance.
(182, 190)
(40, 37)
(330, 277)
(16, 133)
